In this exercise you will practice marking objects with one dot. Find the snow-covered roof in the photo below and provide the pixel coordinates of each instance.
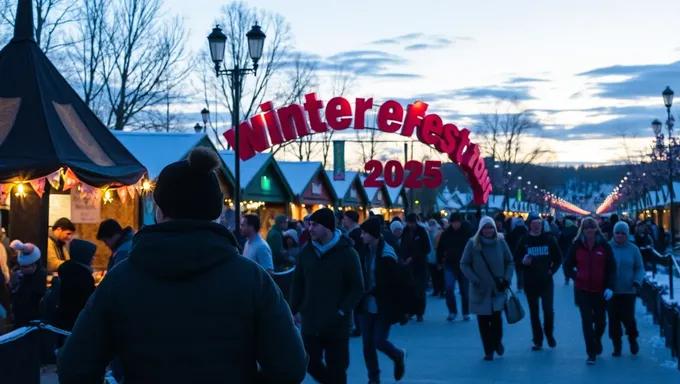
(371, 192)
(249, 168)
(155, 150)
(299, 174)
(394, 192)
(342, 186)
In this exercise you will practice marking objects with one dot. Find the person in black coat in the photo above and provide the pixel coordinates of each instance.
(517, 232)
(565, 240)
(185, 306)
(449, 252)
(77, 283)
(414, 248)
(380, 308)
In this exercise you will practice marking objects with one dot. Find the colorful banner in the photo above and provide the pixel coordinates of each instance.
(38, 186)
(338, 160)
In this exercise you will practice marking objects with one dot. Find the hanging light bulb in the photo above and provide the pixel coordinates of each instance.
(21, 191)
(108, 197)
(146, 186)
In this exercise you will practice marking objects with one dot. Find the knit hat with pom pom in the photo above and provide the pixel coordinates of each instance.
(28, 253)
(189, 189)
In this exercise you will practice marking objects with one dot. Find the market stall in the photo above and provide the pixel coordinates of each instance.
(311, 187)
(351, 194)
(264, 190)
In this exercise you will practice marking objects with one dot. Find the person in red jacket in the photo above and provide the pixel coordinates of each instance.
(591, 264)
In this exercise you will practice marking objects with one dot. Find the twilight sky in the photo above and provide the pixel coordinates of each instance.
(589, 69)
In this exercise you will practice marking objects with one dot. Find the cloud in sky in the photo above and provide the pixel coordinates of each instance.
(519, 92)
(640, 80)
(420, 41)
(369, 63)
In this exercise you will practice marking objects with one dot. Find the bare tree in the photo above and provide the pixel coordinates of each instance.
(342, 82)
(50, 19)
(510, 138)
(86, 54)
(299, 80)
(147, 61)
(237, 19)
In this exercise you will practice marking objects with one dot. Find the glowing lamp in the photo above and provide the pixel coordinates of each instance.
(108, 197)
(21, 191)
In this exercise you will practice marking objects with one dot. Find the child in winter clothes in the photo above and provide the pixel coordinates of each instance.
(291, 240)
(28, 284)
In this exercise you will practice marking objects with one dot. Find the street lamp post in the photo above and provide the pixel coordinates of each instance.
(205, 116)
(217, 41)
(656, 126)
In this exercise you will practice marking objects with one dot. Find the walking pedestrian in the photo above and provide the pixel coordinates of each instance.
(565, 240)
(541, 259)
(435, 268)
(629, 274)
(327, 286)
(449, 253)
(487, 263)
(415, 246)
(185, 306)
(381, 307)
(644, 241)
(590, 263)
(256, 249)
(517, 233)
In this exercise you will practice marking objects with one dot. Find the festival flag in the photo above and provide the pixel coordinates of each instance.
(338, 160)
(70, 180)
(5, 190)
(122, 194)
(132, 190)
(38, 186)
(54, 178)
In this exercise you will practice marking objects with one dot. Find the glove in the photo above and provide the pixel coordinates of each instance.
(608, 294)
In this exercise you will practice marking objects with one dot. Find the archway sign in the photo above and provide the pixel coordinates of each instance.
(277, 126)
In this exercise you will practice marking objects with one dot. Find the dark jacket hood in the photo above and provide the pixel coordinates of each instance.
(181, 249)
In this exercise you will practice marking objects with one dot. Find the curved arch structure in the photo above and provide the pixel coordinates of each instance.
(287, 123)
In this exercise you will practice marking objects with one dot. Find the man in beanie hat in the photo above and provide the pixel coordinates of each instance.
(327, 286)
(541, 258)
(381, 306)
(449, 252)
(185, 306)
(275, 241)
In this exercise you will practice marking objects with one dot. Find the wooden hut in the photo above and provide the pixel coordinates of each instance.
(379, 199)
(311, 187)
(351, 194)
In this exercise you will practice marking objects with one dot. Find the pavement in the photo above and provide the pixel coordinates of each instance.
(443, 352)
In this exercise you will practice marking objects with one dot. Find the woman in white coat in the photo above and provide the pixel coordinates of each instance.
(488, 265)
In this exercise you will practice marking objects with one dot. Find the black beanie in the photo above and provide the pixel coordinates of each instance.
(455, 216)
(325, 217)
(412, 218)
(372, 227)
(82, 251)
(189, 189)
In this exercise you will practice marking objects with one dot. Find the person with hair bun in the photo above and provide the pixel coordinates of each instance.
(185, 306)
(590, 263)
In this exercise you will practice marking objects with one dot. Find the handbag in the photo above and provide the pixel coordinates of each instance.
(514, 312)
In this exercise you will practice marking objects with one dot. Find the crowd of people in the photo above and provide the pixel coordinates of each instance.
(349, 279)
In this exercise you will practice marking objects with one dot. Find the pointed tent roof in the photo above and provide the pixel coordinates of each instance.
(45, 125)
(341, 187)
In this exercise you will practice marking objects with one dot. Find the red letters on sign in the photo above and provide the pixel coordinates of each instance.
(277, 126)
(431, 177)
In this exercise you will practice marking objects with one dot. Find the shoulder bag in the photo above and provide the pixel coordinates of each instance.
(514, 312)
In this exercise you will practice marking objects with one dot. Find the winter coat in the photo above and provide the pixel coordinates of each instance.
(386, 284)
(593, 270)
(546, 259)
(185, 307)
(122, 248)
(77, 284)
(515, 236)
(567, 238)
(630, 269)
(355, 235)
(485, 298)
(327, 286)
(276, 243)
(451, 246)
(57, 253)
(26, 297)
(416, 247)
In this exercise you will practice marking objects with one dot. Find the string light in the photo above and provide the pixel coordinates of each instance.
(108, 197)
(146, 186)
(21, 191)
